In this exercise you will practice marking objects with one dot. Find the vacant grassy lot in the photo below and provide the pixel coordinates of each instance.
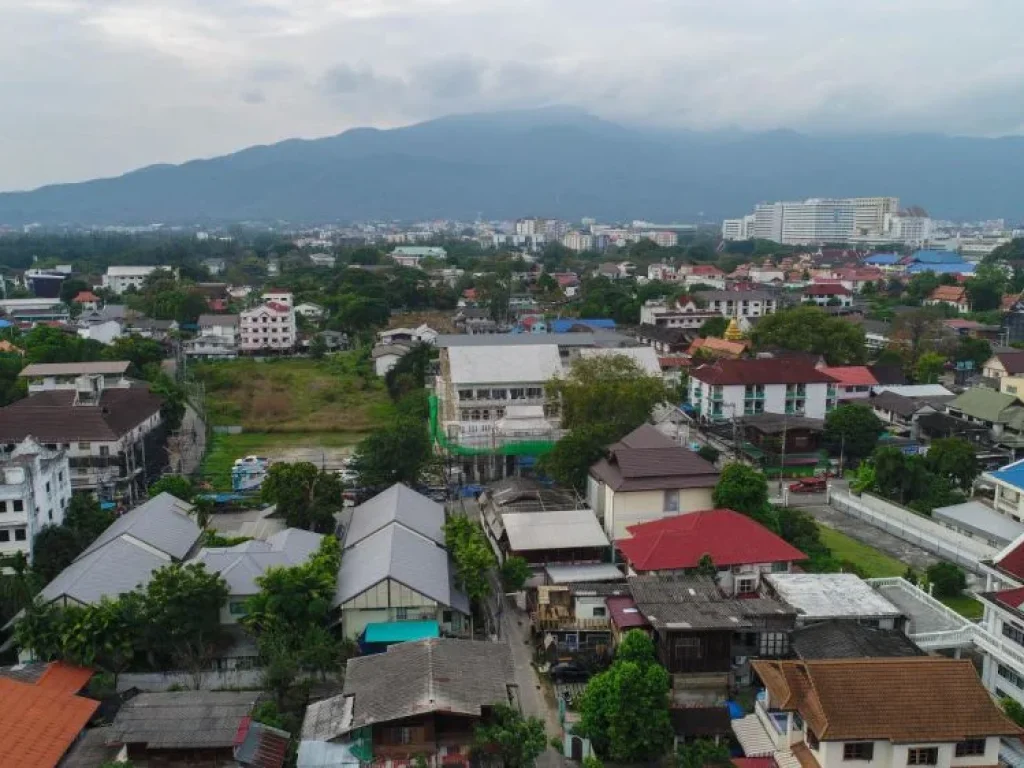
(294, 395)
(321, 448)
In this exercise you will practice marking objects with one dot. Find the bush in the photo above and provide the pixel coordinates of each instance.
(947, 579)
(709, 453)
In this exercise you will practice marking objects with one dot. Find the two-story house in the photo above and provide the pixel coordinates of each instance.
(882, 712)
(853, 382)
(1004, 364)
(647, 476)
(121, 279)
(269, 327)
(684, 314)
(827, 295)
(35, 492)
(728, 389)
(217, 338)
(739, 303)
(46, 377)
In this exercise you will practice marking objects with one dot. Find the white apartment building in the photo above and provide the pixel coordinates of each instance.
(740, 229)
(730, 389)
(909, 229)
(819, 220)
(412, 255)
(120, 279)
(664, 239)
(871, 214)
(45, 377)
(578, 241)
(267, 328)
(218, 338)
(739, 303)
(662, 272)
(35, 489)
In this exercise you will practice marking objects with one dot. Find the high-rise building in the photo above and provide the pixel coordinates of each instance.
(816, 220)
(871, 213)
(739, 229)
(911, 227)
(768, 221)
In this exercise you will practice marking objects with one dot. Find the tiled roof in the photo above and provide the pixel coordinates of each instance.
(680, 542)
(1013, 362)
(767, 371)
(75, 369)
(923, 699)
(1008, 598)
(645, 460)
(955, 293)
(40, 721)
(819, 289)
(51, 417)
(720, 346)
(1011, 559)
(852, 375)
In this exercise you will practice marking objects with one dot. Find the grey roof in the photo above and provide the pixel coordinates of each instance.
(561, 529)
(75, 369)
(243, 563)
(398, 504)
(439, 675)
(694, 602)
(25, 673)
(492, 363)
(119, 567)
(830, 595)
(328, 719)
(182, 719)
(980, 518)
(90, 750)
(898, 404)
(397, 553)
(839, 639)
(604, 339)
(162, 523)
(568, 573)
(225, 320)
(525, 494)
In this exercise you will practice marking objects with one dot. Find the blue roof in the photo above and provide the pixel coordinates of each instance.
(1012, 474)
(937, 257)
(962, 268)
(883, 258)
(596, 323)
(401, 631)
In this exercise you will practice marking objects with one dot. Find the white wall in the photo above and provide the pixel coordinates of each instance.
(626, 508)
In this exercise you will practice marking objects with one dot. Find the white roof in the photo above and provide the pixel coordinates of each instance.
(830, 595)
(570, 573)
(497, 365)
(562, 529)
(981, 517)
(132, 271)
(645, 357)
(914, 390)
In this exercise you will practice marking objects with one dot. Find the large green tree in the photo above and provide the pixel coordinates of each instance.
(306, 495)
(608, 389)
(395, 453)
(744, 489)
(624, 710)
(810, 329)
(929, 367)
(472, 555)
(853, 430)
(515, 740)
(569, 462)
(954, 459)
(183, 604)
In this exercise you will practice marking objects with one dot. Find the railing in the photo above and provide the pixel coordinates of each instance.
(572, 623)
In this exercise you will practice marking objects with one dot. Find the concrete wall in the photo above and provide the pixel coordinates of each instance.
(624, 509)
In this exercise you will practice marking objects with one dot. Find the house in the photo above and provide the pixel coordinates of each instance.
(782, 445)
(322, 259)
(824, 596)
(118, 280)
(646, 476)
(1003, 364)
(827, 294)
(683, 314)
(571, 621)
(217, 338)
(148, 328)
(87, 300)
(43, 715)
(215, 266)
(877, 333)
(741, 549)
(954, 296)
(386, 356)
(543, 525)
(309, 310)
(898, 409)
(35, 490)
(717, 348)
(977, 520)
(421, 334)
(890, 712)
(666, 340)
(32, 311)
(1008, 483)
(394, 566)
(738, 303)
(269, 327)
(733, 388)
(839, 639)
(186, 727)
(114, 438)
(997, 411)
(46, 377)
(853, 382)
(416, 700)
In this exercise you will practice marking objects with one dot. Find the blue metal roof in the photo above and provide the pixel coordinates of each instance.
(961, 268)
(401, 631)
(1011, 474)
(882, 259)
(564, 325)
(937, 257)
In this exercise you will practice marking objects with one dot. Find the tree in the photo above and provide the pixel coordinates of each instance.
(930, 366)
(976, 351)
(396, 453)
(799, 529)
(609, 389)
(40, 631)
(569, 462)
(954, 459)
(140, 351)
(54, 548)
(517, 741)
(472, 555)
(810, 329)
(916, 332)
(176, 485)
(716, 326)
(706, 566)
(307, 496)
(1013, 708)
(947, 579)
(985, 289)
(709, 453)
(745, 490)
(624, 710)
(86, 518)
(183, 604)
(703, 753)
(318, 347)
(514, 573)
(852, 430)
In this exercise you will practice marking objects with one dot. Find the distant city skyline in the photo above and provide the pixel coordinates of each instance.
(97, 87)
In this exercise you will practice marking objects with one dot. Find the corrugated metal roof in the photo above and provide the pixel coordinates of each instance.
(564, 529)
(980, 517)
(583, 573)
(398, 504)
(182, 719)
(162, 523)
(75, 369)
(243, 563)
(494, 364)
(119, 567)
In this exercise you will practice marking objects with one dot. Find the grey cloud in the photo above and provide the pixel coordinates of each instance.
(253, 97)
(454, 78)
(344, 79)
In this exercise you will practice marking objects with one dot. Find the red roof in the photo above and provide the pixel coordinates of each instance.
(754, 762)
(39, 722)
(730, 538)
(955, 293)
(624, 613)
(1013, 562)
(852, 375)
(1011, 598)
(819, 289)
(767, 371)
(469, 293)
(83, 296)
(706, 270)
(277, 307)
(674, 361)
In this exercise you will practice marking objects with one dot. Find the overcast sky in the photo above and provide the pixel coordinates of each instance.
(97, 87)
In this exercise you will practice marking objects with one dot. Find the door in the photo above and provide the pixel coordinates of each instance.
(576, 748)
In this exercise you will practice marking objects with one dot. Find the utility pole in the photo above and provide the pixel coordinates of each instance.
(782, 464)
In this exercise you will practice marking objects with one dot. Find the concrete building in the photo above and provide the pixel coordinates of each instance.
(871, 214)
(284, 298)
(744, 228)
(909, 228)
(578, 241)
(821, 220)
(829, 596)
(217, 338)
(268, 328)
(412, 255)
(120, 279)
(35, 492)
(739, 303)
(827, 295)
(46, 377)
(730, 389)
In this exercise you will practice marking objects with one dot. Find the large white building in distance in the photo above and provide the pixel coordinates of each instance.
(35, 489)
(120, 279)
(815, 220)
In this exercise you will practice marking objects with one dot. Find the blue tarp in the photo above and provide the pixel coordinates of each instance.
(564, 325)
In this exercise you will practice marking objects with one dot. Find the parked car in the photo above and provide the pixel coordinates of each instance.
(809, 485)
(567, 672)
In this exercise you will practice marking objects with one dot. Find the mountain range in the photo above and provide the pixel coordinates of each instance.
(552, 162)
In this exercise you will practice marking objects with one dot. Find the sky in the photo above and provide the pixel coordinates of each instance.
(92, 88)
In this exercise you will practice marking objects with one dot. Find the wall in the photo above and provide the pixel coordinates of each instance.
(629, 508)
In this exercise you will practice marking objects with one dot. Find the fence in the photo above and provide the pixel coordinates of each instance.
(916, 529)
(228, 430)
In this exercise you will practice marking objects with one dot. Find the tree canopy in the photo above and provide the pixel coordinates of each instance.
(852, 429)
(306, 495)
(515, 740)
(745, 490)
(810, 329)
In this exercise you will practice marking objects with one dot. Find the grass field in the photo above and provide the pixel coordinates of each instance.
(877, 564)
(293, 395)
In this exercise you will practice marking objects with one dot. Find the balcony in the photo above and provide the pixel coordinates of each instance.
(571, 622)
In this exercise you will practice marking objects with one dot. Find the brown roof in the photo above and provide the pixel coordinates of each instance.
(646, 460)
(926, 699)
(51, 417)
(769, 371)
(955, 293)
(1013, 362)
(75, 369)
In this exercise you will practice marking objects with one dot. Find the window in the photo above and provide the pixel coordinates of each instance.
(812, 739)
(19, 534)
(1010, 630)
(401, 614)
(858, 750)
(483, 394)
(534, 392)
(48, 491)
(746, 586)
(446, 617)
(401, 735)
(83, 446)
(923, 756)
(671, 501)
(599, 612)
(1008, 674)
(970, 748)
(18, 505)
(236, 608)
(688, 648)
(517, 393)
(5, 535)
(60, 476)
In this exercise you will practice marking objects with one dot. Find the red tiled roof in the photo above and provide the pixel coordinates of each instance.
(721, 346)
(38, 723)
(680, 542)
(1011, 598)
(829, 289)
(706, 270)
(754, 762)
(674, 361)
(277, 307)
(1013, 562)
(767, 371)
(83, 296)
(624, 613)
(955, 293)
(852, 375)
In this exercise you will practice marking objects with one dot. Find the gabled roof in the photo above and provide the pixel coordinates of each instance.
(678, 543)
(243, 563)
(1013, 362)
(1011, 558)
(906, 700)
(718, 346)
(841, 639)
(986, 404)
(398, 504)
(182, 719)
(936, 257)
(954, 293)
(119, 567)
(826, 289)
(764, 371)
(163, 523)
(852, 375)
(645, 459)
(52, 417)
(460, 677)
(904, 407)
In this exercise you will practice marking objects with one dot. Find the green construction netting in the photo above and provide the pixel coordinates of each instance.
(525, 448)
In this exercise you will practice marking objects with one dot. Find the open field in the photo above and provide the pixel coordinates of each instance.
(294, 395)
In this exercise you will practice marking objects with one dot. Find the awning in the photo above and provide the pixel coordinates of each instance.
(401, 631)
(753, 737)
